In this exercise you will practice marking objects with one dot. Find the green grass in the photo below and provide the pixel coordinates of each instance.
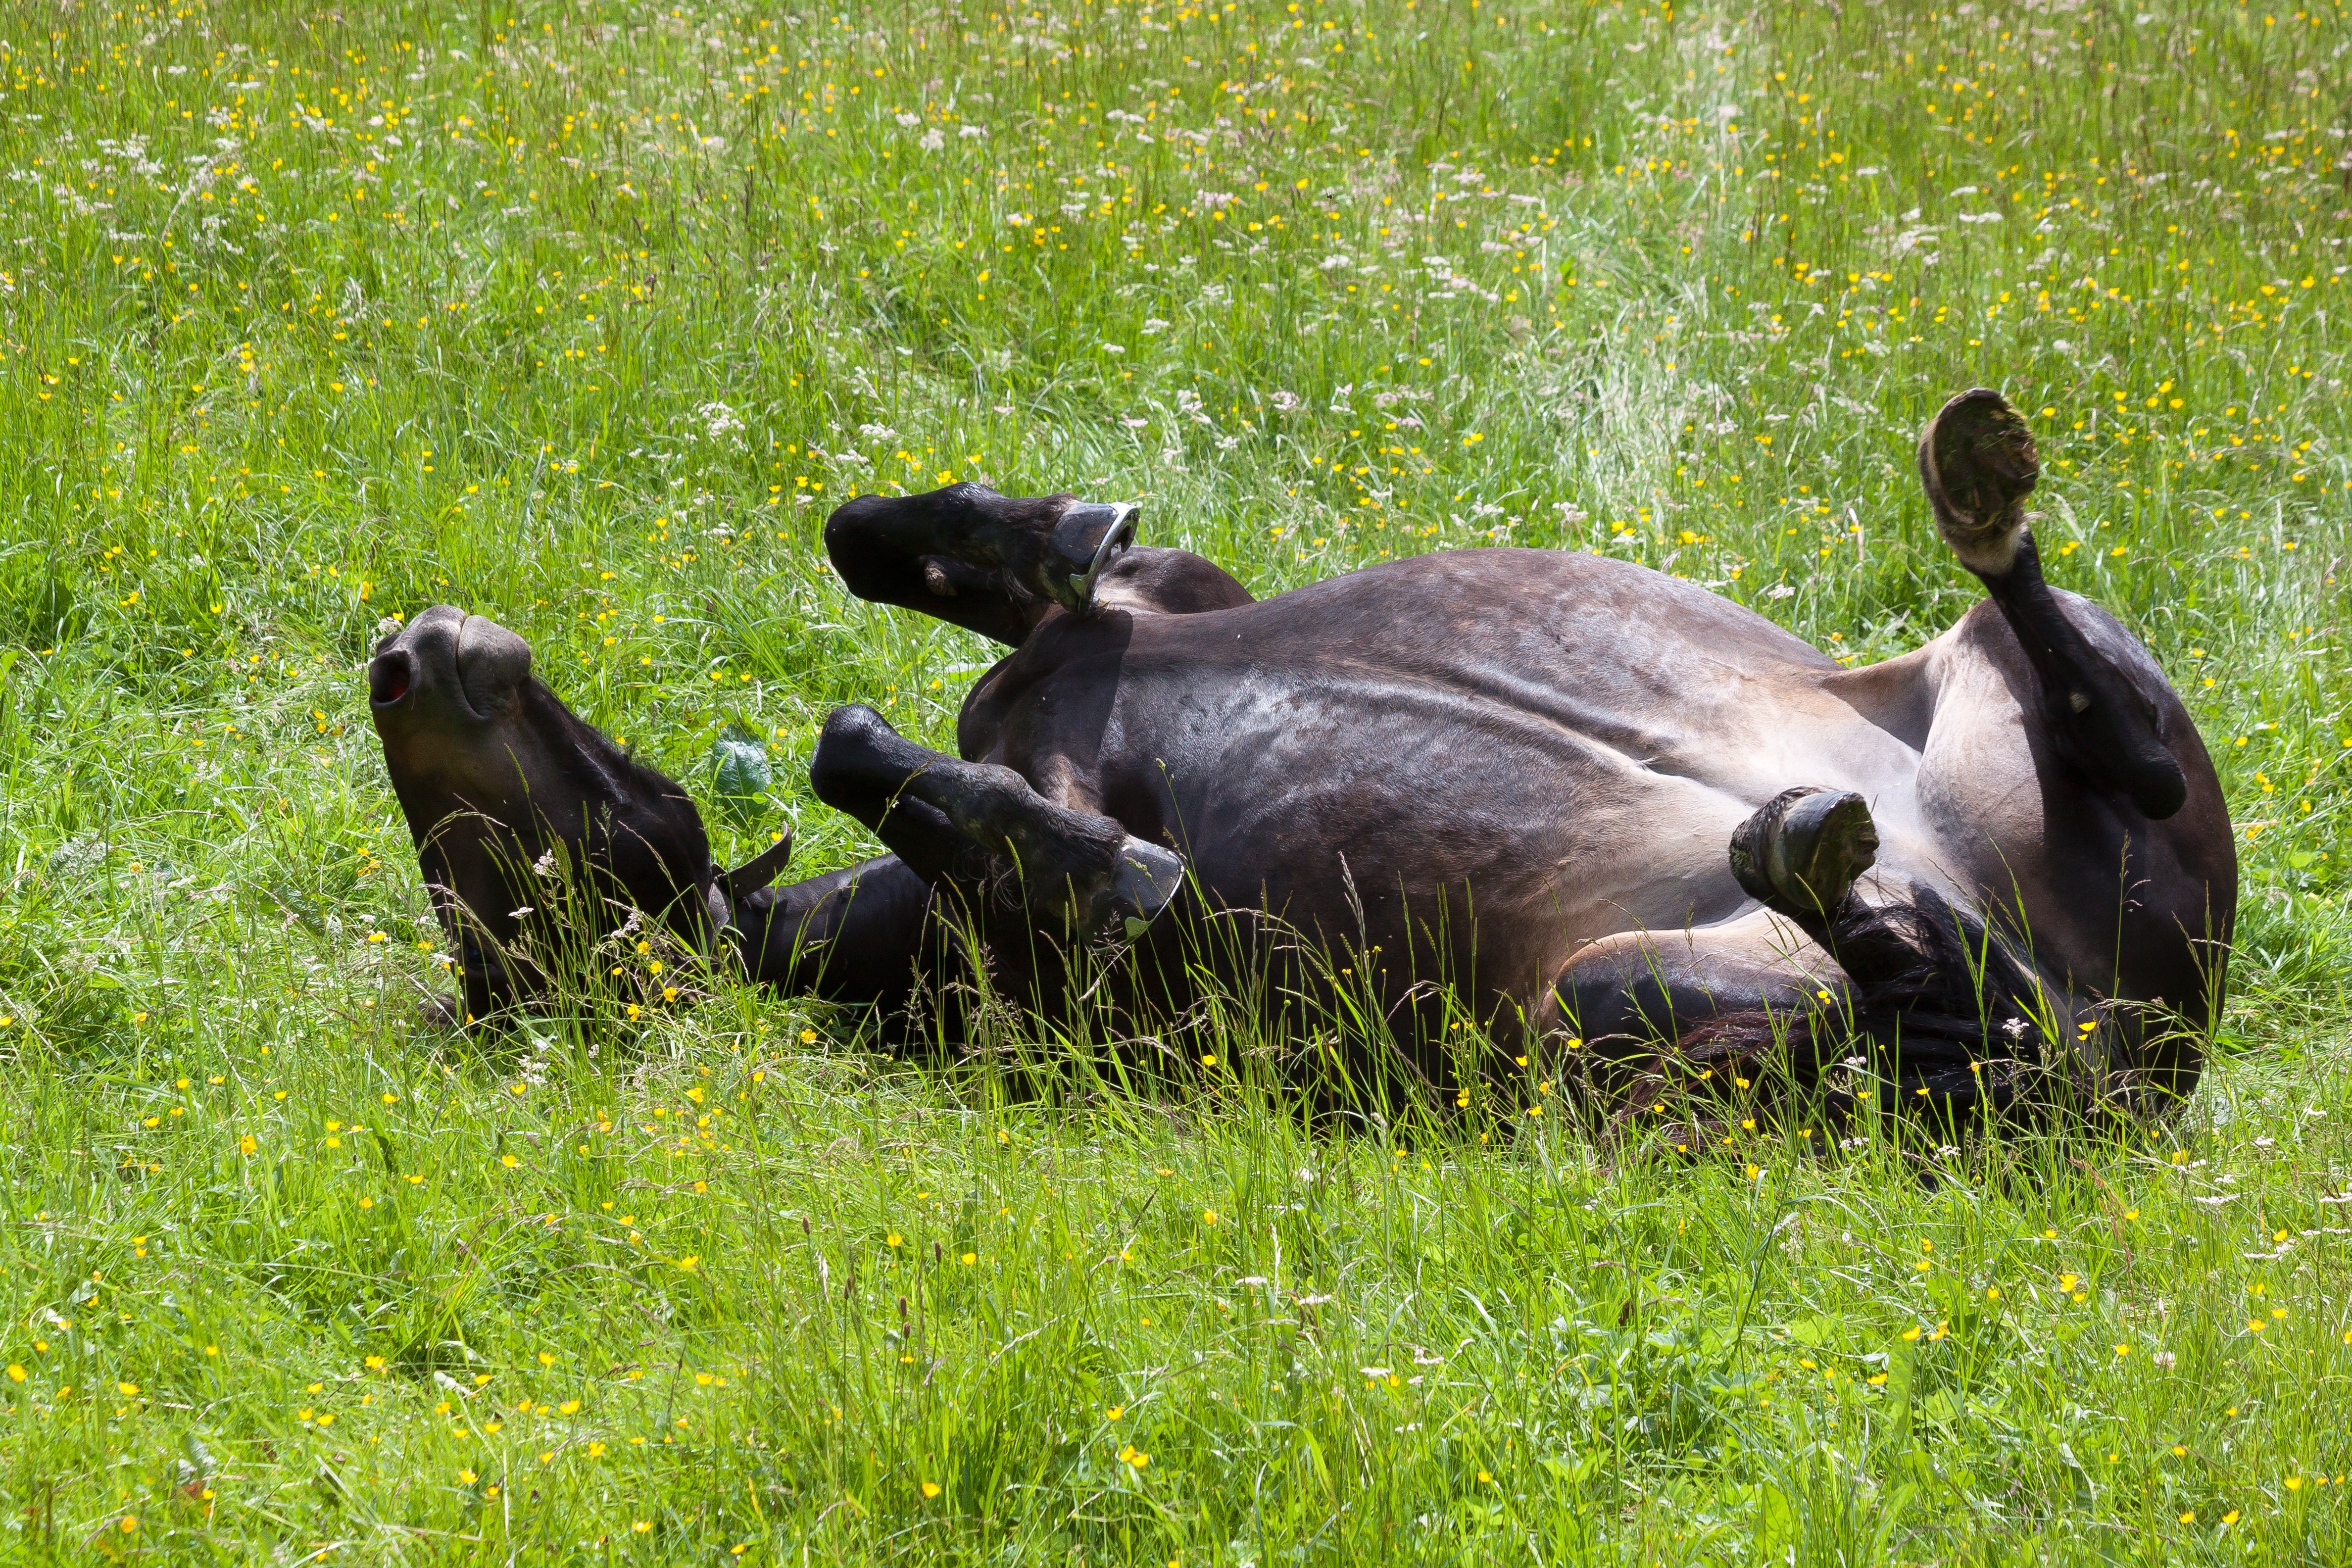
(583, 317)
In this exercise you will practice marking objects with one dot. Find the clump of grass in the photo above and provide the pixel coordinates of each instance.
(584, 321)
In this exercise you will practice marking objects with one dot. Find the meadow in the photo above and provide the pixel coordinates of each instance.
(582, 315)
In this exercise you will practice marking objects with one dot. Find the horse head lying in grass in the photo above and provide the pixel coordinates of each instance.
(1599, 812)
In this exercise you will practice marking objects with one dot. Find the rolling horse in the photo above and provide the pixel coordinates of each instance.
(1596, 808)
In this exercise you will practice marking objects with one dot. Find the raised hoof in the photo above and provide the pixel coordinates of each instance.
(1978, 462)
(1147, 881)
(1087, 538)
(1802, 852)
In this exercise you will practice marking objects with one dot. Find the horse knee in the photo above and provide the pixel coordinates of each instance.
(851, 765)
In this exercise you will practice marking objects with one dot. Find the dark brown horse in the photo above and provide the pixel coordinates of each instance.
(1599, 804)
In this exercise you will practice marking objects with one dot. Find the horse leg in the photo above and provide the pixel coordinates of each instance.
(856, 936)
(975, 826)
(996, 565)
(1940, 1015)
(1978, 462)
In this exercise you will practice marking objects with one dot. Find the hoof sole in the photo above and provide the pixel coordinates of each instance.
(1803, 850)
(1148, 879)
(1978, 461)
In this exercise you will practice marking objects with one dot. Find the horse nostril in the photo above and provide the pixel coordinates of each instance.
(388, 676)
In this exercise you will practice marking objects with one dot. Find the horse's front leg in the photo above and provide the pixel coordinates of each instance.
(857, 936)
(981, 831)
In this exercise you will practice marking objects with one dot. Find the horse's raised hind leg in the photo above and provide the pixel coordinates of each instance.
(971, 825)
(1942, 1006)
(1978, 462)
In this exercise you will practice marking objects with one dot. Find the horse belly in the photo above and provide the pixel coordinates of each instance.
(1427, 825)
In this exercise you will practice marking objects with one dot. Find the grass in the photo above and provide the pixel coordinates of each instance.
(582, 316)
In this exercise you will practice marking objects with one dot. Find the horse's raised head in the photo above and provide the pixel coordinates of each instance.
(523, 813)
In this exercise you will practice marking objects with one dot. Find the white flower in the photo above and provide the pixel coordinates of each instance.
(719, 421)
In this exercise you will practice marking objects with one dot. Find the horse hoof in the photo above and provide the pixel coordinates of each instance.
(1148, 879)
(1802, 852)
(1088, 538)
(1978, 463)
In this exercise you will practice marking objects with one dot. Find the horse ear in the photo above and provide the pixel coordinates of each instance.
(760, 869)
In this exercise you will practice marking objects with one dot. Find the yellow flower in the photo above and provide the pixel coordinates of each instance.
(931, 1489)
(894, 1239)
(129, 1522)
(688, 1261)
